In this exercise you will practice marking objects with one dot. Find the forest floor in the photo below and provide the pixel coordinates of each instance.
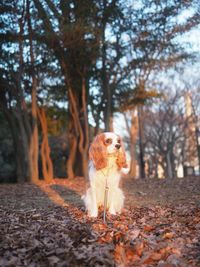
(46, 225)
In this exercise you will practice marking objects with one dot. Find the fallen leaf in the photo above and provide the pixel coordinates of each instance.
(119, 254)
(168, 235)
(148, 228)
(133, 234)
(139, 248)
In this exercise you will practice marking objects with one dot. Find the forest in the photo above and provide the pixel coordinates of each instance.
(69, 70)
(65, 75)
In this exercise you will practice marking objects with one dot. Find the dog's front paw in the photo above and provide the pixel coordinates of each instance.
(93, 214)
(112, 212)
(125, 170)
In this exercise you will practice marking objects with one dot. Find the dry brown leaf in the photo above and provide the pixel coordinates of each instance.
(118, 237)
(119, 254)
(139, 248)
(131, 255)
(148, 228)
(146, 259)
(133, 234)
(168, 235)
(156, 256)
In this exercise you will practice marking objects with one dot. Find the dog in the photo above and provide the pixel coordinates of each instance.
(107, 162)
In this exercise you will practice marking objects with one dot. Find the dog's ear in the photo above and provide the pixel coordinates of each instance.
(121, 158)
(98, 152)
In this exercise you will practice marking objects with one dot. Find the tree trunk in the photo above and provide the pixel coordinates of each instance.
(105, 84)
(197, 131)
(47, 166)
(34, 136)
(111, 123)
(169, 166)
(24, 141)
(18, 147)
(20, 122)
(84, 132)
(72, 154)
(18, 117)
(141, 142)
(108, 114)
(78, 131)
(81, 120)
(133, 133)
(17, 120)
(73, 134)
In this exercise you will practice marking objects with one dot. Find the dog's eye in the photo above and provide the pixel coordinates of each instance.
(108, 141)
(118, 141)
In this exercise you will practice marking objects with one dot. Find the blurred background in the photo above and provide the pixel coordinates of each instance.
(72, 69)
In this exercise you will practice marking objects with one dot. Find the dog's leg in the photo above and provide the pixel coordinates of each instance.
(112, 196)
(119, 203)
(112, 211)
(116, 201)
(93, 212)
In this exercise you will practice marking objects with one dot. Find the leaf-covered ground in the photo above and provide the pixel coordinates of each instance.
(46, 225)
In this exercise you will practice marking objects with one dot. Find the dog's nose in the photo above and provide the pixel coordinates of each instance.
(118, 146)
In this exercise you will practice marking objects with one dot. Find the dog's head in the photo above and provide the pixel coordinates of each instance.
(105, 145)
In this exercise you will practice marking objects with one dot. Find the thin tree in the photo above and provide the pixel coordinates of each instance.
(47, 166)
(34, 133)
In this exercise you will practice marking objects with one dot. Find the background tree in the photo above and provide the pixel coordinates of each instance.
(14, 88)
(47, 165)
(109, 72)
(20, 64)
(75, 45)
(153, 46)
(131, 121)
(191, 88)
(165, 134)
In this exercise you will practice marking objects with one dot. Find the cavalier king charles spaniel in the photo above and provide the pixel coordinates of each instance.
(107, 163)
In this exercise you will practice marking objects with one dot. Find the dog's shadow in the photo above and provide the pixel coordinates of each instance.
(70, 196)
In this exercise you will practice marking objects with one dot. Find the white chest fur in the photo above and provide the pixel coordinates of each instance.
(110, 177)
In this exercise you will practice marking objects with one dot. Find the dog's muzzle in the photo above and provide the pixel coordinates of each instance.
(117, 146)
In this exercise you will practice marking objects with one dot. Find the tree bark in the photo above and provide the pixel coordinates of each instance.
(47, 166)
(84, 140)
(141, 142)
(20, 115)
(72, 154)
(80, 123)
(133, 133)
(78, 129)
(18, 146)
(105, 84)
(169, 166)
(34, 136)
(17, 118)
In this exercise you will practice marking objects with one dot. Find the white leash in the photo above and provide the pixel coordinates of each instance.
(106, 194)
